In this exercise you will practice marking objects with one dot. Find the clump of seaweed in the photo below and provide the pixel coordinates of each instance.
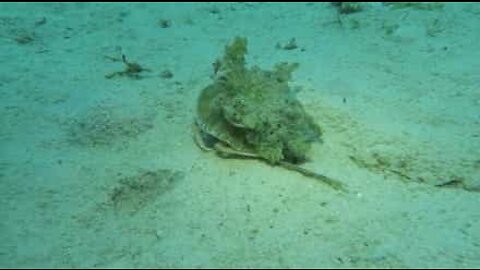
(253, 113)
(260, 102)
(348, 7)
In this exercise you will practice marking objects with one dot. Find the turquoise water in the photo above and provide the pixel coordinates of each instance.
(99, 169)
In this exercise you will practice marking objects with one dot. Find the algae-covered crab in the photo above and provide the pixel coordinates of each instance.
(252, 113)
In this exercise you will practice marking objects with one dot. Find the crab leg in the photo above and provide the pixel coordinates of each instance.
(327, 180)
(197, 138)
(225, 151)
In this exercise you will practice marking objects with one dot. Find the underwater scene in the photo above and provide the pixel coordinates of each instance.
(240, 135)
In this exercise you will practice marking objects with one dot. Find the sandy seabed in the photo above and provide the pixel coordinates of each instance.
(103, 172)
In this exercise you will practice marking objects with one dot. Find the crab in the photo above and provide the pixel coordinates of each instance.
(213, 133)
